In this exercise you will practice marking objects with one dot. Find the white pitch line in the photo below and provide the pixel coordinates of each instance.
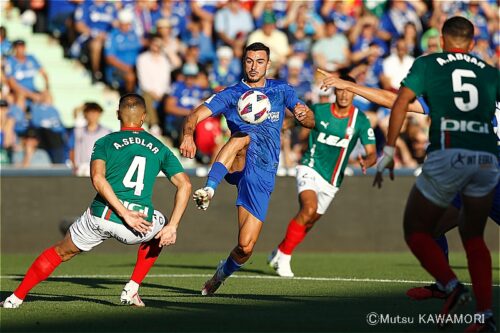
(258, 277)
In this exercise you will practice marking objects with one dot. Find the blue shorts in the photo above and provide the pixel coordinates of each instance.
(495, 209)
(255, 186)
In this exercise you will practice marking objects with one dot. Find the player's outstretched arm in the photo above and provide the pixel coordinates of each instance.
(188, 148)
(381, 97)
(134, 219)
(304, 115)
(168, 234)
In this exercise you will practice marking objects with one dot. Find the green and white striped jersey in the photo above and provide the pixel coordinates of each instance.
(332, 140)
(133, 160)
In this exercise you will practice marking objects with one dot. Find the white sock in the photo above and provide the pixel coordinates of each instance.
(132, 286)
(14, 299)
(284, 257)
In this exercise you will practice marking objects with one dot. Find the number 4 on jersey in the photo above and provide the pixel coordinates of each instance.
(139, 165)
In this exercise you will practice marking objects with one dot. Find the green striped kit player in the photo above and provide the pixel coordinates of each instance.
(124, 167)
(460, 91)
(338, 129)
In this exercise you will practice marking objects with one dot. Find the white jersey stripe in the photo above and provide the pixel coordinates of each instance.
(351, 125)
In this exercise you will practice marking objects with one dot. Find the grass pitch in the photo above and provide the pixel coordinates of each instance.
(332, 293)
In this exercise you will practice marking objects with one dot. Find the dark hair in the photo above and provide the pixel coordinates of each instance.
(458, 26)
(131, 100)
(346, 77)
(256, 47)
(91, 106)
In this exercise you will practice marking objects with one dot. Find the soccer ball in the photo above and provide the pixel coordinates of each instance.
(254, 106)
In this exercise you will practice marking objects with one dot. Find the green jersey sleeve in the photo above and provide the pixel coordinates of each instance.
(99, 150)
(366, 133)
(415, 78)
(170, 165)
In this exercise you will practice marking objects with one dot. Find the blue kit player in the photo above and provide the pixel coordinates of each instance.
(249, 159)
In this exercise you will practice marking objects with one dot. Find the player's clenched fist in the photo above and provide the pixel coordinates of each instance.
(300, 111)
(188, 148)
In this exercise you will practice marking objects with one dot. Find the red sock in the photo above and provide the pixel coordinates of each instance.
(431, 257)
(295, 233)
(39, 270)
(146, 256)
(479, 262)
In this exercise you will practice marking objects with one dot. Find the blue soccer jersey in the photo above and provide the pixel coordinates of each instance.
(280, 94)
(256, 182)
(23, 72)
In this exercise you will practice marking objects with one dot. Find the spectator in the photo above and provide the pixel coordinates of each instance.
(82, 139)
(7, 134)
(145, 12)
(363, 36)
(178, 13)
(276, 39)
(400, 13)
(93, 21)
(307, 71)
(153, 72)
(204, 12)
(226, 69)
(61, 22)
(170, 44)
(278, 7)
(411, 38)
(302, 87)
(20, 70)
(46, 120)
(185, 96)
(122, 48)
(332, 51)
(29, 154)
(5, 44)
(302, 16)
(233, 24)
(196, 35)
(396, 66)
(340, 13)
(21, 121)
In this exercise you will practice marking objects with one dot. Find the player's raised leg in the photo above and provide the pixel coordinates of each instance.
(41, 269)
(249, 231)
(223, 163)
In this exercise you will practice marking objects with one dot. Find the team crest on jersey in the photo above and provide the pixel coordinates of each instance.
(274, 116)
(349, 131)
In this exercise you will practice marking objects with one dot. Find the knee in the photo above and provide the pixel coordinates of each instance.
(239, 141)
(308, 214)
(65, 255)
(245, 249)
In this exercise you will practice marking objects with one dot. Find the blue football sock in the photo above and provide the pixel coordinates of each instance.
(216, 174)
(230, 266)
(443, 244)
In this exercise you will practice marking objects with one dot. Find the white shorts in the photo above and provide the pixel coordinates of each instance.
(310, 179)
(448, 172)
(89, 231)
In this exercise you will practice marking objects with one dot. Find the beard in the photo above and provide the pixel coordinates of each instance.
(250, 80)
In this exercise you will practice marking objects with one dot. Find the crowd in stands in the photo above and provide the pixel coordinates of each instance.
(177, 53)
